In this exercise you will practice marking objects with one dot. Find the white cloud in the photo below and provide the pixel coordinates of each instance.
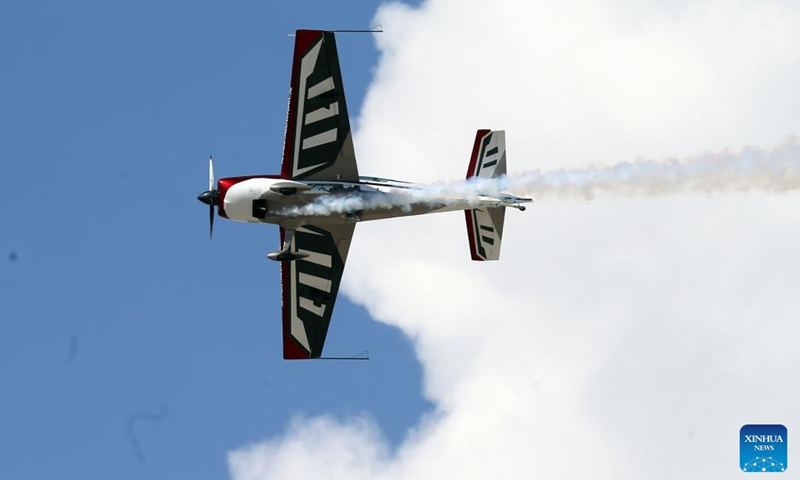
(622, 338)
(353, 450)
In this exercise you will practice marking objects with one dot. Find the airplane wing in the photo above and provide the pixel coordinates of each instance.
(318, 144)
(310, 286)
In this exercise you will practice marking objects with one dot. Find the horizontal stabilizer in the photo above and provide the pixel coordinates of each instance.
(485, 232)
(485, 224)
(488, 154)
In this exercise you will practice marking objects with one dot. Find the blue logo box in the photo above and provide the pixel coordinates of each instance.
(762, 448)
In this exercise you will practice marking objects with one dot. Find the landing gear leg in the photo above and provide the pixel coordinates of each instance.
(286, 255)
(288, 236)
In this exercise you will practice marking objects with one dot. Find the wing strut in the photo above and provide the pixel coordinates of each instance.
(287, 240)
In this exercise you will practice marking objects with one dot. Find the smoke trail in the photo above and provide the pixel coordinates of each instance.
(752, 169)
(344, 202)
(441, 194)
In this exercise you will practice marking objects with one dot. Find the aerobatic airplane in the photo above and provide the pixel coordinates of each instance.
(319, 164)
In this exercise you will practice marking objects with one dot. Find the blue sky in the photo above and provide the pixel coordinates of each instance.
(113, 300)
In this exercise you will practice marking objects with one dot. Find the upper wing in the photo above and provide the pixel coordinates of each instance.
(318, 144)
(310, 286)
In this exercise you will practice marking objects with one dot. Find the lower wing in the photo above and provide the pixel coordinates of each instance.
(310, 285)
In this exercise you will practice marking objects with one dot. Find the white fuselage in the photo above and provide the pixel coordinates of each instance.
(327, 202)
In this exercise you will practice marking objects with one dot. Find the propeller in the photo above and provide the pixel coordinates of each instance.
(210, 197)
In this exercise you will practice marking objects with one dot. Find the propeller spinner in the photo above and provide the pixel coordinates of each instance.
(210, 197)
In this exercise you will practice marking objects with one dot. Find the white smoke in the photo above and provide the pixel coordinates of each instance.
(751, 169)
(347, 202)
(440, 194)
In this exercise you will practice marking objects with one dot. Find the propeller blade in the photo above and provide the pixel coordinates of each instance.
(210, 222)
(210, 173)
(210, 197)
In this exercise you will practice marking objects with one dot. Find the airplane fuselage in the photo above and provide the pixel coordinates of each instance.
(290, 204)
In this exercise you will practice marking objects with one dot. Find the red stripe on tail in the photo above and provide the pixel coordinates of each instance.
(473, 248)
(473, 161)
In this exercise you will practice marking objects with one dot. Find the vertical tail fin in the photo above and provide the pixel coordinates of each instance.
(485, 224)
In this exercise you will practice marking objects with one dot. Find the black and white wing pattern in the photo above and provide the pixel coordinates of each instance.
(318, 144)
(310, 286)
